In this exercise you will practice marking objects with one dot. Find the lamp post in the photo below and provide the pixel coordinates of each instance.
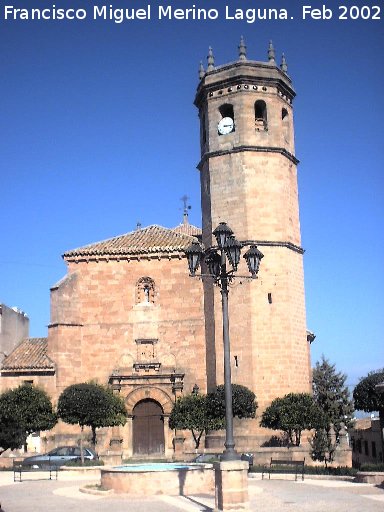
(228, 248)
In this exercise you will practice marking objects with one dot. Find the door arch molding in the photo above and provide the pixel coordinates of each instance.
(149, 392)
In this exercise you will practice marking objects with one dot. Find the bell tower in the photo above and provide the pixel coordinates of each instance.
(248, 175)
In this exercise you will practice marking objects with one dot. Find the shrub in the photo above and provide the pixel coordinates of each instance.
(89, 463)
(372, 467)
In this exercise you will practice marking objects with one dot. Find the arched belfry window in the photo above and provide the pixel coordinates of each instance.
(227, 122)
(226, 110)
(146, 290)
(203, 129)
(261, 116)
(285, 121)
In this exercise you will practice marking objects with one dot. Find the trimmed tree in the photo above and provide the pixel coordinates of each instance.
(244, 402)
(11, 435)
(24, 410)
(91, 405)
(367, 398)
(190, 413)
(292, 414)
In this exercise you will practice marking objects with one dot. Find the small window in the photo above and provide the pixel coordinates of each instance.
(146, 290)
(261, 117)
(373, 449)
(366, 450)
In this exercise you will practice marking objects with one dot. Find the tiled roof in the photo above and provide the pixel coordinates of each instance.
(187, 229)
(152, 241)
(30, 354)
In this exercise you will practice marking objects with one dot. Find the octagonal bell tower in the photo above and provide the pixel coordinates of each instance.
(248, 179)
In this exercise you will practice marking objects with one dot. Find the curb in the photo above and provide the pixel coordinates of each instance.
(96, 492)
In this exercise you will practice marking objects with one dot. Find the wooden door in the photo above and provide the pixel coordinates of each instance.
(148, 428)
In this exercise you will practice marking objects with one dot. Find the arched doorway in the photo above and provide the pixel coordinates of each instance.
(148, 428)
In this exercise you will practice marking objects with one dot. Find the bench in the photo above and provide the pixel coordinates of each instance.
(19, 469)
(295, 467)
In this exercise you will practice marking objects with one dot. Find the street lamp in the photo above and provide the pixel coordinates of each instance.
(228, 248)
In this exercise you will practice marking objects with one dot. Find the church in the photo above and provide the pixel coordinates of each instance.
(128, 314)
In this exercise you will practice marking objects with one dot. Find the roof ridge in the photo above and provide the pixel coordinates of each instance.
(119, 236)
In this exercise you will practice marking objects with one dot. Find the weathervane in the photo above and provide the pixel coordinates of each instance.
(186, 206)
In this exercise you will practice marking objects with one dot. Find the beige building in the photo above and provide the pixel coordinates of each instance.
(365, 439)
(128, 314)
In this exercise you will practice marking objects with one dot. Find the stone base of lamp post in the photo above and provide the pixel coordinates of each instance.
(112, 457)
(231, 486)
(178, 447)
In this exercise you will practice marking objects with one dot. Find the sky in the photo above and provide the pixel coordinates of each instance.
(98, 132)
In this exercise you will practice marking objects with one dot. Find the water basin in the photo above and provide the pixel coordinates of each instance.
(171, 479)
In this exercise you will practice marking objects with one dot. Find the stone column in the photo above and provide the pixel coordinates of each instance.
(168, 448)
(128, 438)
(231, 486)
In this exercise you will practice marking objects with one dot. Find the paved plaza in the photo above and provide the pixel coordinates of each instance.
(275, 495)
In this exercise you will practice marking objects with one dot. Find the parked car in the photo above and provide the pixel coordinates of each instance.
(59, 457)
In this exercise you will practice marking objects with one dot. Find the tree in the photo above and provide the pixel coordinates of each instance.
(244, 402)
(92, 405)
(323, 446)
(190, 413)
(292, 414)
(332, 396)
(12, 435)
(24, 410)
(367, 398)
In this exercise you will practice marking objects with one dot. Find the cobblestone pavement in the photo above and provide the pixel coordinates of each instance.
(63, 495)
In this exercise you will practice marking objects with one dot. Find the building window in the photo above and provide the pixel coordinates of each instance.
(227, 122)
(373, 449)
(226, 110)
(261, 116)
(366, 450)
(146, 290)
(203, 129)
(285, 121)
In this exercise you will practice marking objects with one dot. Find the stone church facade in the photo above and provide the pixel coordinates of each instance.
(127, 313)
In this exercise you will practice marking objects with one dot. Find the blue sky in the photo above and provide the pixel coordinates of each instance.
(98, 131)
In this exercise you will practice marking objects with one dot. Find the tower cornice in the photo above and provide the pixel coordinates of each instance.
(276, 243)
(239, 149)
(253, 73)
